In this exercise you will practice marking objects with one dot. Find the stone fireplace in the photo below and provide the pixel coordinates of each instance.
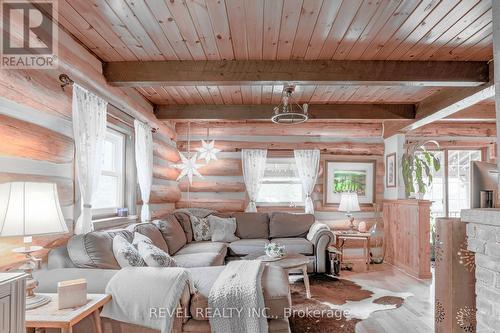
(483, 232)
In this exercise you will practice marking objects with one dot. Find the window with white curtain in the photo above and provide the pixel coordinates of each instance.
(281, 185)
(110, 193)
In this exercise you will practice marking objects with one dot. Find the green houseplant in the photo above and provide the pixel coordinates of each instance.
(416, 163)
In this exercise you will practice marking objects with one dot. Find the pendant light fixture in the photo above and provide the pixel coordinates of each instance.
(188, 165)
(207, 151)
(288, 111)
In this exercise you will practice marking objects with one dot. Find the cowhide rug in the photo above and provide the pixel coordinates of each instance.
(337, 305)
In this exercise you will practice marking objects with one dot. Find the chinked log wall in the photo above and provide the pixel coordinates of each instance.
(36, 132)
(222, 187)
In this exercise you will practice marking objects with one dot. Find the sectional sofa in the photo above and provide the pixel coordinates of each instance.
(91, 256)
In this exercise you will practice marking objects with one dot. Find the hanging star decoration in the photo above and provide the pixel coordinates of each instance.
(188, 167)
(207, 151)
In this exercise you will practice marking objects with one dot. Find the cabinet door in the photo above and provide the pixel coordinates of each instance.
(5, 314)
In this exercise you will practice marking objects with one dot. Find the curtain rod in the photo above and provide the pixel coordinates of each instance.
(67, 81)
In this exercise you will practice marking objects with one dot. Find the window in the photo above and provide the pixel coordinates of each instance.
(452, 194)
(281, 184)
(110, 192)
(459, 179)
(435, 192)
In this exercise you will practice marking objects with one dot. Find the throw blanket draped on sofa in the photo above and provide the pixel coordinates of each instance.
(146, 296)
(237, 300)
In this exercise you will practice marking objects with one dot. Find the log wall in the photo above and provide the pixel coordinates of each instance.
(36, 132)
(222, 186)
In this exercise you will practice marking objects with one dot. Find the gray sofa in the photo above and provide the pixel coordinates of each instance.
(91, 256)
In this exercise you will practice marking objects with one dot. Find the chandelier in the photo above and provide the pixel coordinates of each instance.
(289, 111)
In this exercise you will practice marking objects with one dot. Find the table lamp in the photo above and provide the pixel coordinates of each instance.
(349, 203)
(30, 209)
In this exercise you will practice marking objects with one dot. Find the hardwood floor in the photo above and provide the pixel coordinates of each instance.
(415, 315)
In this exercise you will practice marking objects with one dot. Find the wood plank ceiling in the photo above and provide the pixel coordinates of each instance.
(141, 30)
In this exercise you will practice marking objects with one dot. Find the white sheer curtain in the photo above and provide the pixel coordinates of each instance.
(307, 162)
(254, 165)
(144, 164)
(89, 131)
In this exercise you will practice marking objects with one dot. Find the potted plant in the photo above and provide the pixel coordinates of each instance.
(416, 163)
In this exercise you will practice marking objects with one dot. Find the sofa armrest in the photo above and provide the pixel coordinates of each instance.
(317, 230)
(320, 236)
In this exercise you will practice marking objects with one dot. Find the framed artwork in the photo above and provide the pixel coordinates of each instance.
(349, 176)
(390, 170)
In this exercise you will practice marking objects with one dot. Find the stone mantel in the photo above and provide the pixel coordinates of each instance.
(488, 216)
(483, 238)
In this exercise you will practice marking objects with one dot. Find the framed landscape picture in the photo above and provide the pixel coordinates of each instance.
(390, 171)
(349, 176)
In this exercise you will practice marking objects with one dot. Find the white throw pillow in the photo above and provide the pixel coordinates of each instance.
(201, 228)
(222, 229)
(138, 237)
(154, 256)
(125, 253)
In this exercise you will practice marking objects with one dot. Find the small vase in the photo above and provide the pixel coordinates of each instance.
(362, 226)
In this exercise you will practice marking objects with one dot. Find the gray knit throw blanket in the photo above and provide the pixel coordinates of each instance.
(236, 300)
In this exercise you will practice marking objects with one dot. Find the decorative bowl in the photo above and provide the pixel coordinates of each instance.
(274, 250)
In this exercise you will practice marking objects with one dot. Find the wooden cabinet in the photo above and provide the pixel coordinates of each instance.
(12, 302)
(407, 236)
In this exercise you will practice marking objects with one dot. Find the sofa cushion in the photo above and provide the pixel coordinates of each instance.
(252, 225)
(185, 223)
(274, 284)
(199, 259)
(296, 245)
(95, 249)
(152, 232)
(203, 326)
(201, 228)
(289, 225)
(203, 247)
(172, 232)
(243, 247)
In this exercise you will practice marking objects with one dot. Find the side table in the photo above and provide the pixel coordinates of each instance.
(342, 236)
(49, 316)
(335, 260)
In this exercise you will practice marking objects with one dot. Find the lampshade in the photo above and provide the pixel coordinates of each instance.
(28, 209)
(349, 202)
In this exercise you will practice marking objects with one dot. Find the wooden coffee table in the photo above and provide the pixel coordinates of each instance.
(49, 316)
(289, 262)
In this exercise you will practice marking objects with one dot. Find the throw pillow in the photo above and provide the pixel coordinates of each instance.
(222, 229)
(172, 232)
(125, 253)
(153, 256)
(140, 238)
(201, 228)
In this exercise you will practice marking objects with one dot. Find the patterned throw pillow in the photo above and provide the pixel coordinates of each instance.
(201, 228)
(222, 229)
(154, 256)
(125, 253)
(138, 237)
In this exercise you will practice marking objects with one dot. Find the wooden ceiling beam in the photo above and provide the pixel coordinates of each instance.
(317, 72)
(265, 111)
(441, 105)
